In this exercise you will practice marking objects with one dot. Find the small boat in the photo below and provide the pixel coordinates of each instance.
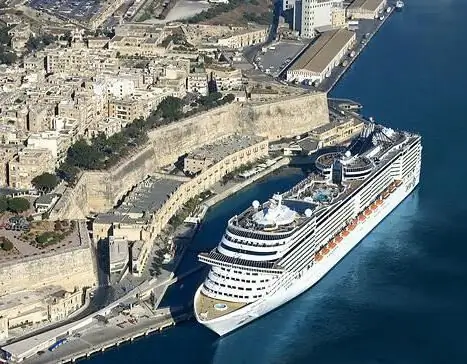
(352, 226)
(361, 218)
(399, 4)
(345, 233)
(398, 183)
(325, 250)
(374, 206)
(338, 239)
(388, 10)
(385, 195)
(368, 212)
(318, 257)
(332, 244)
(379, 202)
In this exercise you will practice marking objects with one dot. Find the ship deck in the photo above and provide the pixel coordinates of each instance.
(205, 306)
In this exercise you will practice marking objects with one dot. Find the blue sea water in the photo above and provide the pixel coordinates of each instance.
(400, 296)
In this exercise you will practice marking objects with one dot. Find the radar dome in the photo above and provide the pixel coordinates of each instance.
(308, 212)
(348, 154)
(255, 204)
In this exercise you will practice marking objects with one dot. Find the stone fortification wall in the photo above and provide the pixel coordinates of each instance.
(100, 191)
(69, 269)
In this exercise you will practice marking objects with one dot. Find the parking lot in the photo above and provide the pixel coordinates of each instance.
(81, 10)
(278, 56)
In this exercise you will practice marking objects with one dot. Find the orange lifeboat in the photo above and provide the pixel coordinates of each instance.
(318, 257)
(374, 206)
(338, 239)
(368, 212)
(379, 202)
(352, 226)
(325, 250)
(345, 233)
(332, 244)
(361, 218)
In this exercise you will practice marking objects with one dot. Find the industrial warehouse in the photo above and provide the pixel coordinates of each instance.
(322, 56)
(365, 9)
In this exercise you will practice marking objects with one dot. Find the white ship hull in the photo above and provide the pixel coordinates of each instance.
(232, 321)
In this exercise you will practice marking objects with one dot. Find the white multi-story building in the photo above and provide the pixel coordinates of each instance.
(317, 13)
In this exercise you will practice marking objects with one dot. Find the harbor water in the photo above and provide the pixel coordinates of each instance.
(398, 297)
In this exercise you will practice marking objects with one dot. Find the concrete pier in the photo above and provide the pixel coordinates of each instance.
(102, 339)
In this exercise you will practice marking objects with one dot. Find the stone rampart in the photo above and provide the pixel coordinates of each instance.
(69, 269)
(100, 191)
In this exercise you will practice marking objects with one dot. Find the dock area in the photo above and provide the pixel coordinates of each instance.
(367, 29)
(104, 335)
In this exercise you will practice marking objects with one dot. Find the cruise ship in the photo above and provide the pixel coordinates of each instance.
(274, 251)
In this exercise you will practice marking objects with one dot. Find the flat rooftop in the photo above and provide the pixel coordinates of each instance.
(370, 5)
(146, 198)
(318, 56)
(224, 147)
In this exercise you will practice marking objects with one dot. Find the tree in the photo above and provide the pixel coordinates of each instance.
(68, 173)
(170, 108)
(18, 204)
(6, 244)
(83, 155)
(46, 182)
(3, 204)
(228, 98)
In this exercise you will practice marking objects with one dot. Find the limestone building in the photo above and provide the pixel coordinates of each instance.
(244, 38)
(7, 153)
(118, 254)
(225, 78)
(204, 157)
(335, 133)
(29, 163)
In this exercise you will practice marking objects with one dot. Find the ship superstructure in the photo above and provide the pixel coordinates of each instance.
(274, 251)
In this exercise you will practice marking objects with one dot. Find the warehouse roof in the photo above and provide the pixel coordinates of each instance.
(370, 5)
(318, 56)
